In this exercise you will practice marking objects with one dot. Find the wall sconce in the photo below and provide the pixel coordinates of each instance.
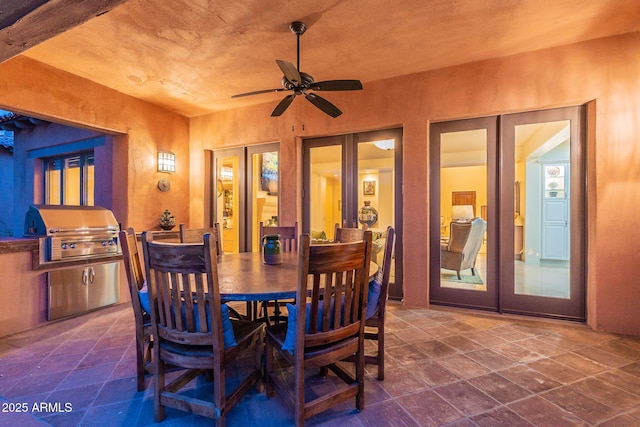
(166, 161)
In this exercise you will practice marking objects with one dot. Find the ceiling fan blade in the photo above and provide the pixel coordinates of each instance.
(283, 105)
(337, 85)
(257, 92)
(323, 104)
(290, 71)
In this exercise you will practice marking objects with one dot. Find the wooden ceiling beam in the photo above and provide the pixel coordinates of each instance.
(26, 23)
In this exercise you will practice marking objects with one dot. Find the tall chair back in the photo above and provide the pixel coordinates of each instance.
(344, 235)
(288, 235)
(195, 235)
(135, 277)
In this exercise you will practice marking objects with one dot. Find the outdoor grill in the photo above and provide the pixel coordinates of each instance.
(79, 249)
(68, 232)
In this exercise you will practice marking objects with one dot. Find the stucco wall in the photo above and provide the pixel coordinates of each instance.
(139, 129)
(604, 70)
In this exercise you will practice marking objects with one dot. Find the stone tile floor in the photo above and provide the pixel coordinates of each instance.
(444, 368)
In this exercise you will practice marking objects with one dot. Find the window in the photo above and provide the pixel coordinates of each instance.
(69, 179)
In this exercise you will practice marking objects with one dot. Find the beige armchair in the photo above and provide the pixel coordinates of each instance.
(464, 244)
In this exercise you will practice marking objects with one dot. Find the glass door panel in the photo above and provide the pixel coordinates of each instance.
(263, 190)
(542, 153)
(376, 195)
(229, 204)
(463, 157)
(325, 190)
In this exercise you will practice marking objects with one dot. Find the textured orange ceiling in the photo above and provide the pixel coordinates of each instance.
(190, 56)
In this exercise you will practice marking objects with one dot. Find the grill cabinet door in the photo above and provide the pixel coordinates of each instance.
(103, 284)
(67, 292)
(74, 291)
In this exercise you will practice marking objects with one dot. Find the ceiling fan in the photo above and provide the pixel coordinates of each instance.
(300, 83)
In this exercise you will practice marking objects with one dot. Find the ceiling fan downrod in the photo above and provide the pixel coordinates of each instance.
(298, 28)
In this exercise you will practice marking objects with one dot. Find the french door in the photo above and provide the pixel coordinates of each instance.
(527, 173)
(344, 174)
(243, 192)
(463, 176)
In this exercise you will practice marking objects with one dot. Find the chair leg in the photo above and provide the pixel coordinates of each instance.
(299, 414)
(380, 353)
(219, 396)
(458, 273)
(268, 354)
(158, 374)
(140, 361)
(359, 374)
(473, 271)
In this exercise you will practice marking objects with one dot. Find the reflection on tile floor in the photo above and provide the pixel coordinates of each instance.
(444, 367)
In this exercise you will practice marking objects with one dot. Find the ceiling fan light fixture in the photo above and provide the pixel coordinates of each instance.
(385, 144)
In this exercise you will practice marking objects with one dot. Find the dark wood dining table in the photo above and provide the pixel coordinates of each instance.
(245, 277)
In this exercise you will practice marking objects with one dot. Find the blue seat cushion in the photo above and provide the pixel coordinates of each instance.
(373, 298)
(227, 328)
(143, 295)
(290, 337)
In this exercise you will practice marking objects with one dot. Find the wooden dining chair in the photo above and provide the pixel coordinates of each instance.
(195, 235)
(288, 235)
(344, 234)
(379, 290)
(135, 277)
(193, 331)
(326, 325)
(289, 242)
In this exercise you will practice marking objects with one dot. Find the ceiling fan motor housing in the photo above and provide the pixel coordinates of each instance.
(307, 81)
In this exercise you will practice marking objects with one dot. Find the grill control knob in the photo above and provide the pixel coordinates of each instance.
(64, 246)
(72, 246)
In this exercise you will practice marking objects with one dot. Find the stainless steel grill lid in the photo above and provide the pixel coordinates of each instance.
(68, 232)
(49, 220)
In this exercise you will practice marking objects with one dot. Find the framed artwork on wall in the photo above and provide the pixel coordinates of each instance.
(369, 188)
